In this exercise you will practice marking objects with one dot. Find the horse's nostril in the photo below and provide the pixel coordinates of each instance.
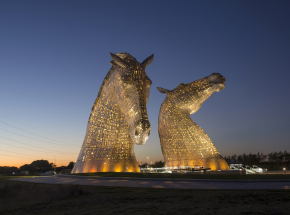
(136, 132)
(149, 132)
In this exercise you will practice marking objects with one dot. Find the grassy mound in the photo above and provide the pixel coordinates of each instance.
(18, 195)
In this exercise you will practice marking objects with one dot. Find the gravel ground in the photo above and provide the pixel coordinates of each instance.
(116, 200)
(63, 196)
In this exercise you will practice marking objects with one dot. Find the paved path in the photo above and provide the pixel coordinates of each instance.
(161, 183)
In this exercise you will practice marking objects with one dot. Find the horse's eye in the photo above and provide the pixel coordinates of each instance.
(127, 78)
(127, 84)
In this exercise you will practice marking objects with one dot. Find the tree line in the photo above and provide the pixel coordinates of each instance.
(37, 166)
(42, 166)
(157, 164)
(270, 158)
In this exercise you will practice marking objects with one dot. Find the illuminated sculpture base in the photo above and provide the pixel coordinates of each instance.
(214, 163)
(189, 146)
(103, 166)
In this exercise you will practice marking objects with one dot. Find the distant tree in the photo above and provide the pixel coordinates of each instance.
(287, 157)
(70, 165)
(262, 157)
(60, 168)
(158, 164)
(240, 159)
(37, 166)
(8, 169)
(26, 167)
(280, 157)
(41, 165)
(252, 158)
(234, 158)
(245, 158)
(273, 158)
(144, 165)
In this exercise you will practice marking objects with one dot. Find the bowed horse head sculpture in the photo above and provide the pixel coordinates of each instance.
(183, 142)
(118, 118)
(132, 93)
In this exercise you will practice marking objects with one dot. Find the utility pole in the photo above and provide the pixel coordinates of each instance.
(147, 162)
(54, 162)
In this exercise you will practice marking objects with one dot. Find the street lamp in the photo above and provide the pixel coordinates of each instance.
(147, 162)
(54, 161)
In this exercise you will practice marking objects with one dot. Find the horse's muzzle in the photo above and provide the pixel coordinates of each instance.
(142, 132)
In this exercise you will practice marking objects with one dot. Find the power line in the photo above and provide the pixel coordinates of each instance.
(26, 155)
(37, 150)
(18, 153)
(24, 148)
(14, 156)
(28, 158)
(34, 138)
(35, 128)
(58, 152)
(34, 133)
(28, 144)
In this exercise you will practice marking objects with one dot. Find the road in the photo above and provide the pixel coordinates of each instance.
(161, 183)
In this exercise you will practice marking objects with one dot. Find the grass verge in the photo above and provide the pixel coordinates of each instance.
(23, 198)
(17, 195)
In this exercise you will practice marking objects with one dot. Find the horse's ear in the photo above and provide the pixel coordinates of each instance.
(147, 61)
(113, 63)
(162, 90)
(117, 60)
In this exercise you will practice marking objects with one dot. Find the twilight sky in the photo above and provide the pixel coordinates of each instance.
(54, 56)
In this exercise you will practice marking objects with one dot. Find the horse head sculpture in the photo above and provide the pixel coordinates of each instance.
(191, 96)
(118, 118)
(132, 93)
(183, 142)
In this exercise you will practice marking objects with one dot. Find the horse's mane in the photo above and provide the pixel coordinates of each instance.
(124, 56)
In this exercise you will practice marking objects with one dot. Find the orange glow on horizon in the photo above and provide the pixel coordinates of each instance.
(18, 162)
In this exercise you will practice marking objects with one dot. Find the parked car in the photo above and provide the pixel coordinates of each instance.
(48, 173)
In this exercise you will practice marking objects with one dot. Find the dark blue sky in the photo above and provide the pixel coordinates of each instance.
(54, 56)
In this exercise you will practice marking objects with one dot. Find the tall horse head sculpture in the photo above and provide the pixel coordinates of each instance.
(183, 142)
(118, 118)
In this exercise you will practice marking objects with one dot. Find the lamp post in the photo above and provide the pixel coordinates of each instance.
(54, 162)
(147, 162)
